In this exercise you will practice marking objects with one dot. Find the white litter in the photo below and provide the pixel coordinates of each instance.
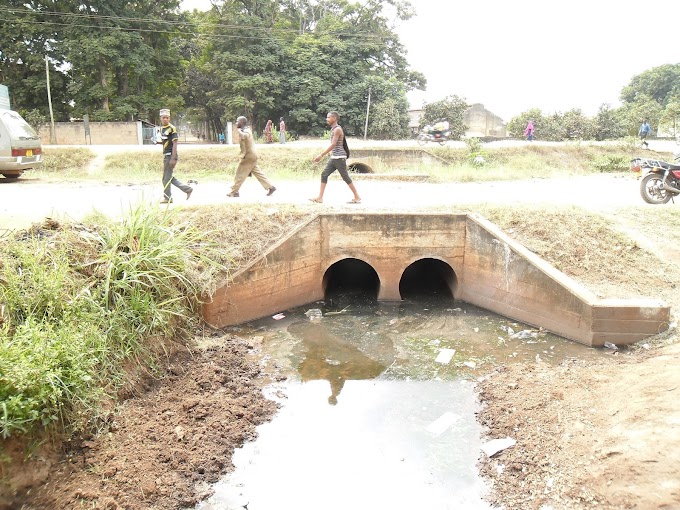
(610, 345)
(445, 356)
(494, 446)
(314, 313)
(442, 423)
(470, 364)
(278, 316)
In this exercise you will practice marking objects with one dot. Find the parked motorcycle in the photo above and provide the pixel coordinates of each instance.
(440, 137)
(660, 180)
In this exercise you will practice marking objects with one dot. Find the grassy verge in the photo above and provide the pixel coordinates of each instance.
(290, 163)
(81, 303)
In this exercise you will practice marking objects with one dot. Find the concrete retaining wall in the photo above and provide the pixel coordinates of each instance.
(493, 272)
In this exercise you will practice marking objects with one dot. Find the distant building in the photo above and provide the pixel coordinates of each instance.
(480, 121)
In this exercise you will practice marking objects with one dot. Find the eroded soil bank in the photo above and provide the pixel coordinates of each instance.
(164, 446)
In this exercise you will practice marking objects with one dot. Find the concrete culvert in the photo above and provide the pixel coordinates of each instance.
(351, 277)
(360, 168)
(428, 277)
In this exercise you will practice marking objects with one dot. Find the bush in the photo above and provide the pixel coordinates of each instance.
(82, 303)
(612, 163)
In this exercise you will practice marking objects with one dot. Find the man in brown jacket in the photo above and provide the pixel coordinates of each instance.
(248, 163)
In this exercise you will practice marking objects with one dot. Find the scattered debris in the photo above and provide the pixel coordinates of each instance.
(278, 316)
(494, 446)
(441, 424)
(338, 312)
(314, 313)
(610, 345)
(525, 334)
(445, 356)
(470, 364)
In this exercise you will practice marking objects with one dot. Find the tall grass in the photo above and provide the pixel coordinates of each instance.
(81, 303)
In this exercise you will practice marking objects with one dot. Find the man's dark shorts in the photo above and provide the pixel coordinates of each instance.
(336, 164)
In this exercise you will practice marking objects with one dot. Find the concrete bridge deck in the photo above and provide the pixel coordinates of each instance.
(483, 266)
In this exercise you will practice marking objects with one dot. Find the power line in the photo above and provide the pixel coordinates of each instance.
(188, 24)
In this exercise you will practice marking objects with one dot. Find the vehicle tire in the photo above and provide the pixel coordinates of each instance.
(651, 189)
(443, 141)
(422, 139)
(11, 177)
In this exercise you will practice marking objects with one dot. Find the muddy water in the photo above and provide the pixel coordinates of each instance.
(369, 418)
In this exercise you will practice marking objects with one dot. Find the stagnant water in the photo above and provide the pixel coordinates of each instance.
(369, 418)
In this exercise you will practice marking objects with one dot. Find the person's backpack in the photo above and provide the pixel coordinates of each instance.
(344, 145)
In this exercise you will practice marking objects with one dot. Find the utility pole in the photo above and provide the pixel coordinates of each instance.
(53, 133)
(368, 107)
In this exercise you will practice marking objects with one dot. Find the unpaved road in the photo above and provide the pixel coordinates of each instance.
(30, 200)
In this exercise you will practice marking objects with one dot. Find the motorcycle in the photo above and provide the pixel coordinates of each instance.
(660, 180)
(440, 137)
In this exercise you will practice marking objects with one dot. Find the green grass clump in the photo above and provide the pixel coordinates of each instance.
(72, 162)
(79, 304)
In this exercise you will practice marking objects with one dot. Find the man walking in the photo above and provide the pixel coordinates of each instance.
(337, 161)
(644, 133)
(248, 163)
(169, 139)
(282, 130)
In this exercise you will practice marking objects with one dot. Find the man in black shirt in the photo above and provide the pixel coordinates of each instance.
(169, 139)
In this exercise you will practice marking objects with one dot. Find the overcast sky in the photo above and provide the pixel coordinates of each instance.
(514, 55)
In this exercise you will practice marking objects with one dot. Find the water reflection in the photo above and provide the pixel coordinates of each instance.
(325, 355)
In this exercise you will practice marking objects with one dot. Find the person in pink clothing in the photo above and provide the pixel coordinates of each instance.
(529, 131)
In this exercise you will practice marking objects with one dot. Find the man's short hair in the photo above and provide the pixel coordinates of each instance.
(334, 114)
(241, 118)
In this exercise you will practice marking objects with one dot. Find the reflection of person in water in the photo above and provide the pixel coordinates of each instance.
(329, 357)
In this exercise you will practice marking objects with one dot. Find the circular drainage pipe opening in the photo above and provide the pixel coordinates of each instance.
(360, 168)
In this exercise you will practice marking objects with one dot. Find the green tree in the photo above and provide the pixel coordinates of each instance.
(452, 108)
(670, 118)
(660, 83)
(644, 108)
(27, 36)
(388, 120)
(607, 124)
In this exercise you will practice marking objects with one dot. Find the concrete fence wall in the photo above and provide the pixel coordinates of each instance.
(492, 271)
(101, 133)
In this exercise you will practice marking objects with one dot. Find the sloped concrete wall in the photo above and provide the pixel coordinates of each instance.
(503, 276)
(493, 272)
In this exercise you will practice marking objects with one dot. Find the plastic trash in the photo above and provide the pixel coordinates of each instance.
(525, 334)
(314, 313)
(444, 356)
(442, 423)
(278, 316)
(610, 345)
(494, 446)
(470, 364)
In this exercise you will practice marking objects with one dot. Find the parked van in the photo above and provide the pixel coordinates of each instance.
(20, 147)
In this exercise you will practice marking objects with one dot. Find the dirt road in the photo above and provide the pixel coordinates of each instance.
(30, 200)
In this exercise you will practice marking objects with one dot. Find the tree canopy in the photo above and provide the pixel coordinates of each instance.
(297, 59)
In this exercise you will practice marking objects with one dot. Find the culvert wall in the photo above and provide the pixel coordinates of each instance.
(493, 272)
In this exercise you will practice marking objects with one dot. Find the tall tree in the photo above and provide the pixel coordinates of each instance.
(28, 34)
(659, 83)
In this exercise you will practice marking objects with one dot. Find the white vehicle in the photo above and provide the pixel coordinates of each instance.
(20, 147)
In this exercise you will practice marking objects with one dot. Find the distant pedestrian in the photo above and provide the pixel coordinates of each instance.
(529, 131)
(170, 139)
(282, 131)
(268, 132)
(248, 163)
(338, 160)
(644, 132)
(220, 137)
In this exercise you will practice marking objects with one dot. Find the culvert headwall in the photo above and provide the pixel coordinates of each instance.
(492, 271)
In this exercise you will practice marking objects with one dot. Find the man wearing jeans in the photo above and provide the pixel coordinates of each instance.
(169, 139)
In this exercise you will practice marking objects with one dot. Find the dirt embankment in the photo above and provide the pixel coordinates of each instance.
(165, 446)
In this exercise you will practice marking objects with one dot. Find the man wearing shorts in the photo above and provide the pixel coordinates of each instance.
(337, 161)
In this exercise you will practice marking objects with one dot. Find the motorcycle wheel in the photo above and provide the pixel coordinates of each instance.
(422, 139)
(651, 189)
(443, 141)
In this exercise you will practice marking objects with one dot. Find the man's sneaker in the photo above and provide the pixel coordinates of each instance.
(166, 201)
(191, 190)
(271, 191)
(233, 194)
